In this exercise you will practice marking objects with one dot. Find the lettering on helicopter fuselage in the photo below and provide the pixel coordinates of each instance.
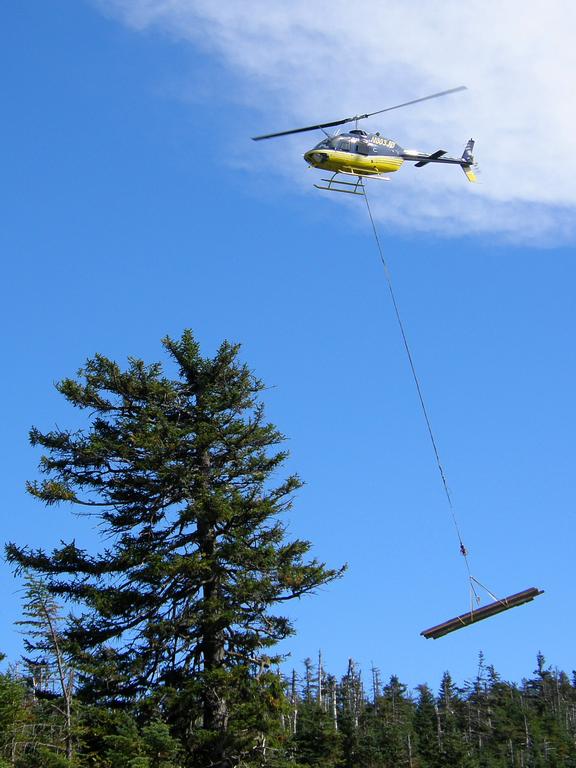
(383, 142)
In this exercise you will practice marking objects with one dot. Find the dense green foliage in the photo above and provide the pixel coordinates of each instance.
(487, 723)
(317, 721)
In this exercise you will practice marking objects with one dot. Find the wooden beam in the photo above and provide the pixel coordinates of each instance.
(473, 616)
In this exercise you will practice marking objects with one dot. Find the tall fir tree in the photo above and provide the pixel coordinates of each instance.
(455, 746)
(179, 474)
(427, 726)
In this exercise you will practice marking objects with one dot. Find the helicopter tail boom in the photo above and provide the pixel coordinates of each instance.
(466, 162)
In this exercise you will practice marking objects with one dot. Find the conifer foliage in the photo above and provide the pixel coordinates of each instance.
(486, 724)
(180, 474)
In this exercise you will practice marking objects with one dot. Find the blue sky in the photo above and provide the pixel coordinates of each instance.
(135, 205)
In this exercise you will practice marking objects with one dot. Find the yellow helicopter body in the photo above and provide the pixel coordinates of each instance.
(357, 153)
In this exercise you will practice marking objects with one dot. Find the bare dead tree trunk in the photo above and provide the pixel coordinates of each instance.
(308, 680)
(334, 707)
(376, 686)
(438, 726)
(353, 692)
(66, 685)
(294, 700)
(409, 741)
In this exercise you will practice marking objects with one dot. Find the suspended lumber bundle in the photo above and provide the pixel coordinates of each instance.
(482, 613)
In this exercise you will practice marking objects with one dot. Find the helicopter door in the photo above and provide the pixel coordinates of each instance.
(363, 148)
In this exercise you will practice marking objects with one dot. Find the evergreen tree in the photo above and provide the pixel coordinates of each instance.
(351, 695)
(396, 712)
(316, 742)
(50, 674)
(128, 746)
(179, 475)
(452, 726)
(14, 718)
(427, 726)
(478, 708)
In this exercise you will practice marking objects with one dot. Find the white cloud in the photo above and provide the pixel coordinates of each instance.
(309, 60)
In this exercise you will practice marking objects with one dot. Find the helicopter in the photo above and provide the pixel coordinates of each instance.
(364, 155)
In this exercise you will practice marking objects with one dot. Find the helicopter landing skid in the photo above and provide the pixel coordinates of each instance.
(357, 187)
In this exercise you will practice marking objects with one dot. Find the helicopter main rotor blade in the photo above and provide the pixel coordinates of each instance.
(356, 117)
(303, 130)
(414, 101)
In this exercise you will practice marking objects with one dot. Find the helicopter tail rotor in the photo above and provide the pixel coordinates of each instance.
(468, 155)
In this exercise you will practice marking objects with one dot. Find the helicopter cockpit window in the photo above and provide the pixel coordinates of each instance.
(324, 144)
(343, 145)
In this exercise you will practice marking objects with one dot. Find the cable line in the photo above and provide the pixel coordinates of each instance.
(463, 550)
